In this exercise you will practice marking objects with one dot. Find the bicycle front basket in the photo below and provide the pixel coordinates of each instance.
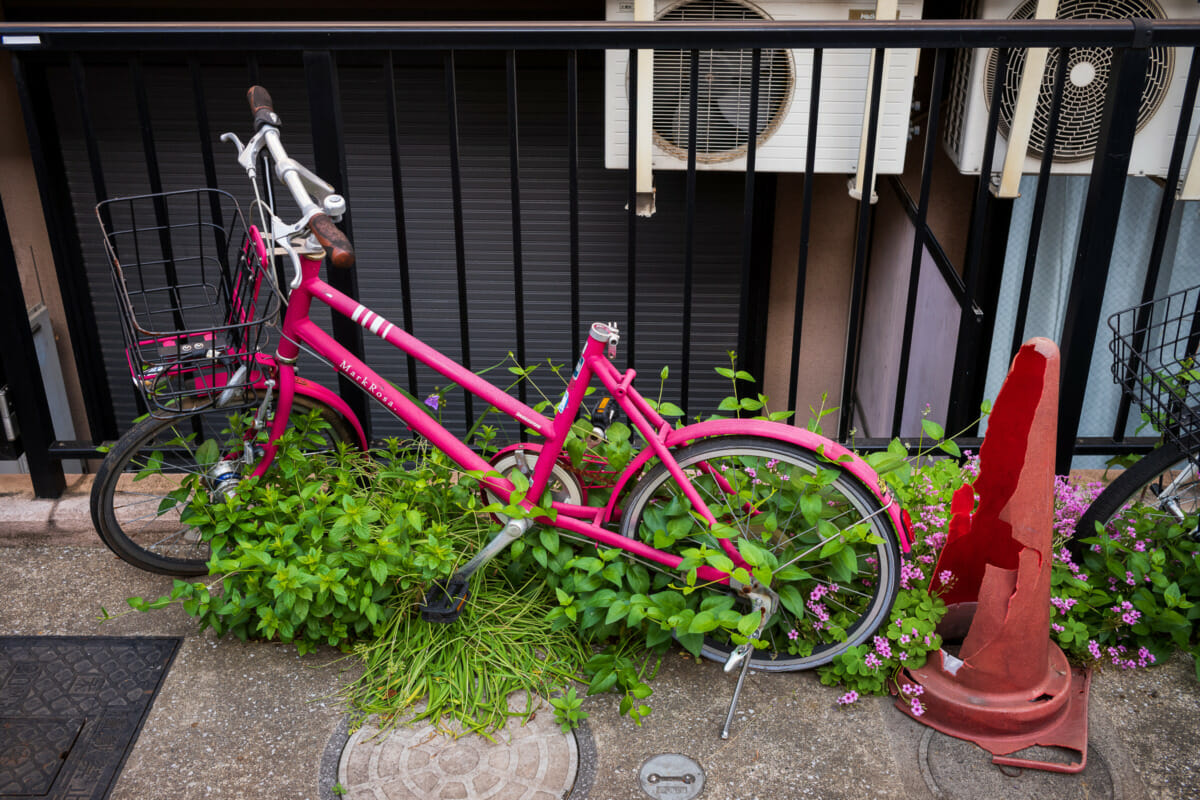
(1155, 351)
(195, 290)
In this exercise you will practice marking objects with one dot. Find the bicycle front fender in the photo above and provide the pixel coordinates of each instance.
(332, 399)
(838, 457)
(319, 393)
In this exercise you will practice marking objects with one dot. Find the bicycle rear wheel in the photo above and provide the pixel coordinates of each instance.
(159, 467)
(1144, 483)
(838, 557)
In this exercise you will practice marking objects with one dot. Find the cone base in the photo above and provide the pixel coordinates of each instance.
(1053, 714)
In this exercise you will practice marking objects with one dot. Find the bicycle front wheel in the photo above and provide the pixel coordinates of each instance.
(159, 467)
(1149, 483)
(836, 556)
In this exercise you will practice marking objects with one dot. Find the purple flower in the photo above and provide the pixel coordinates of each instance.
(1094, 649)
(433, 401)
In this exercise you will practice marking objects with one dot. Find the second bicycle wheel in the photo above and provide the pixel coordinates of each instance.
(1148, 482)
(837, 558)
(159, 466)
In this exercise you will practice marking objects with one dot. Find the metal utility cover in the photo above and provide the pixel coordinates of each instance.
(70, 709)
(671, 775)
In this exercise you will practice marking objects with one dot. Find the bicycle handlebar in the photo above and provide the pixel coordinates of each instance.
(300, 180)
(262, 107)
(336, 243)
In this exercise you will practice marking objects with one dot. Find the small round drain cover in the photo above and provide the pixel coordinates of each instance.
(671, 775)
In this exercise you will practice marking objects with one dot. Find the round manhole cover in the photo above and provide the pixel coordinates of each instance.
(671, 775)
(954, 768)
(422, 762)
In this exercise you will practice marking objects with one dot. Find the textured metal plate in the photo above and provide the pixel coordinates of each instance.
(70, 708)
(671, 775)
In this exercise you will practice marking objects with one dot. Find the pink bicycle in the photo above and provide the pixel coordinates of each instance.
(781, 525)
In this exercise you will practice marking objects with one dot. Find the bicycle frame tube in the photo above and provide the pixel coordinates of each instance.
(584, 520)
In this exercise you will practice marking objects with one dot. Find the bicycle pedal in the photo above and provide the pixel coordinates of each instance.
(445, 600)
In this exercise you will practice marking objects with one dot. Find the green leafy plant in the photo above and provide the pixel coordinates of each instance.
(309, 554)
(1134, 595)
(568, 711)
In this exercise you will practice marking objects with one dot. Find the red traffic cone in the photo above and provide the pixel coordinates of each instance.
(1009, 687)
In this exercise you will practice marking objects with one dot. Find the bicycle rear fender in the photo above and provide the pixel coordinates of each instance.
(838, 456)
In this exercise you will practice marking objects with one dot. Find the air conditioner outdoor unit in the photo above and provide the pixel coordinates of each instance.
(1083, 93)
(723, 107)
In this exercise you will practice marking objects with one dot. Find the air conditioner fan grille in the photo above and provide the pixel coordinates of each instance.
(723, 103)
(1088, 70)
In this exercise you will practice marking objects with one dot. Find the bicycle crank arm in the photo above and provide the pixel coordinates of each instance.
(513, 530)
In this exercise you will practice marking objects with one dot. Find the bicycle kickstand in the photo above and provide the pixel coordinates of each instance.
(765, 602)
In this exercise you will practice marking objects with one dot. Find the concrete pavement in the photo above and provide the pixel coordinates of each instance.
(254, 720)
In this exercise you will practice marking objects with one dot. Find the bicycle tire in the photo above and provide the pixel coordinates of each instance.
(131, 503)
(1137, 484)
(856, 607)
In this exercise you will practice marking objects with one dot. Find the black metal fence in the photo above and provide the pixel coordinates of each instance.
(543, 160)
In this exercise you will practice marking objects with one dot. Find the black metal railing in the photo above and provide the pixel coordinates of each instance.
(67, 136)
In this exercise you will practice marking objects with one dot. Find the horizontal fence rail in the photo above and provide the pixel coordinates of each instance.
(472, 157)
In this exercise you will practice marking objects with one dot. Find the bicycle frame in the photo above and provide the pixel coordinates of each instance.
(586, 521)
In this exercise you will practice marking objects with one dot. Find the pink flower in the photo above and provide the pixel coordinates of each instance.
(916, 707)
(883, 647)
(793, 634)
(848, 698)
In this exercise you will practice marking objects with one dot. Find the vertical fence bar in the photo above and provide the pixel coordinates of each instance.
(1165, 209)
(631, 216)
(79, 81)
(1097, 233)
(21, 363)
(573, 194)
(460, 247)
(329, 161)
(810, 163)
(745, 308)
(162, 218)
(45, 150)
(689, 234)
(204, 132)
(920, 232)
(393, 123)
(203, 129)
(967, 353)
(862, 243)
(514, 183)
(1039, 204)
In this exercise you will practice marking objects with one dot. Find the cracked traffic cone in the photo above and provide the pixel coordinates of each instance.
(1009, 687)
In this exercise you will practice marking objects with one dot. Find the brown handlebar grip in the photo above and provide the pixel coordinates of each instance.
(262, 107)
(337, 246)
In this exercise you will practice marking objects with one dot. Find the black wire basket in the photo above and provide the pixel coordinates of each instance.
(1156, 361)
(195, 291)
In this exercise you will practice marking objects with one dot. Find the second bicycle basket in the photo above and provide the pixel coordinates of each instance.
(194, 290)
(1156, 360)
